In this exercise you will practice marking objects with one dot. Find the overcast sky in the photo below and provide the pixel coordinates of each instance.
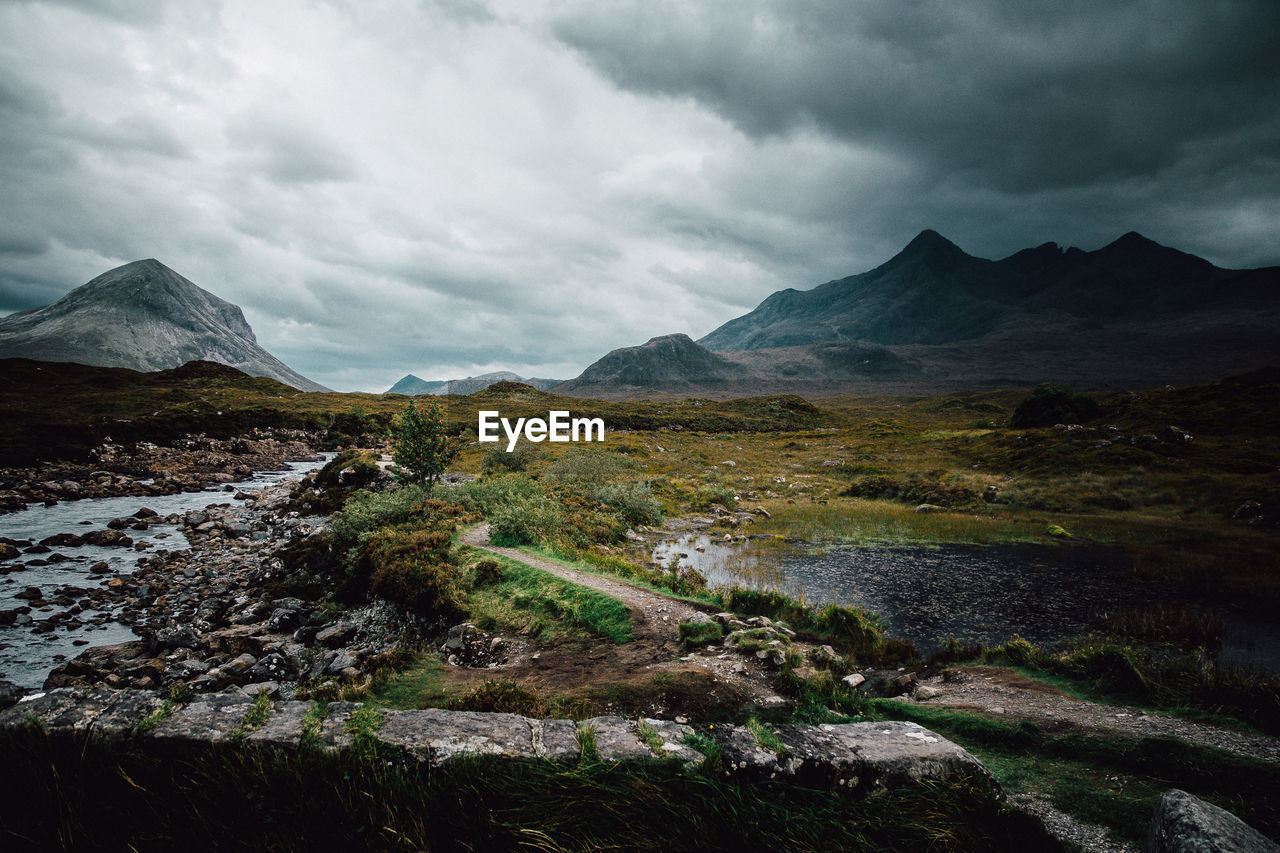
(452, 187)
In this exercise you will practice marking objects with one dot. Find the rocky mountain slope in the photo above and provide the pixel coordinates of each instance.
(672, 363)
(934, 318)
(413, 386)
(146, 317)
(933, 293)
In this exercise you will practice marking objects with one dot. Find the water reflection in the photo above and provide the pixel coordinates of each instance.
(985, 594)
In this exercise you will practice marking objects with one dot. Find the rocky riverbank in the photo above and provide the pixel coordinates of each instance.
(215, 614)
(190, 464)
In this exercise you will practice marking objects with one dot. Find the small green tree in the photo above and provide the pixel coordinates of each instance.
(420, 445)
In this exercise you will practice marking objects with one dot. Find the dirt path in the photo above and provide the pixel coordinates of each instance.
(655, 646)
(1007, 693)
(659, 614)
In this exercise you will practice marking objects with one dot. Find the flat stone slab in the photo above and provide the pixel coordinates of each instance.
(40, 708)
(853, 756)
(741, 754)
(119, 720)
(283, 728)
(616, 739)
(435, 736)
(211, 719)
(875, 755)
(672, 735)
(333, 732)
(556, 740)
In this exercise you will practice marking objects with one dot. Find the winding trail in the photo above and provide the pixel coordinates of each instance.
(1006, 693)
(658, 614)
(655, 620)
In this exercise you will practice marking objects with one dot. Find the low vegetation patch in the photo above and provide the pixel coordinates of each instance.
(700, 633)
(849, 628)
(527, 600)
(1153, 675)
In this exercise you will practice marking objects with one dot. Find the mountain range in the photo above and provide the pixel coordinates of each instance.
(143, 316)
(931, 318)
(413, 386)
(1133, 313)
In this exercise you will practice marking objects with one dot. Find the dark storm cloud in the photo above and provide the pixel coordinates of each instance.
(1020, 96)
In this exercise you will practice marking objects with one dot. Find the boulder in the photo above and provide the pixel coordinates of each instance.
(107, 538)
(333, 636)
(1183, 823)
(62, 540)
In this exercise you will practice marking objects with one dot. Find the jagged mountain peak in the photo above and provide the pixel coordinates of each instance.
(929, 246)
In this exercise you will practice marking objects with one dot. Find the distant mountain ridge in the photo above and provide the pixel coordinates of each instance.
(932, 318)
(669, 363)
(146, 317)
(413, 386)
(932, 292)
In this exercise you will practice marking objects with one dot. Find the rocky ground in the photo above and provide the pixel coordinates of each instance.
(206, 616)
(191, 464)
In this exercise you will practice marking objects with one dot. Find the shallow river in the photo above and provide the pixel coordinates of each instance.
(26, 657)
(984, 594)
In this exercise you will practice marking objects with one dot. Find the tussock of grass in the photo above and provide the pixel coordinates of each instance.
(766, 737)
(700, 633)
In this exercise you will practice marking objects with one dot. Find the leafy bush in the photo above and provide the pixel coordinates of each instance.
(492, 493)
(413, 568)
(1051, 404)
(525, 520)
(421, 445)
(633, 501)
(498, 460)
(366, 511)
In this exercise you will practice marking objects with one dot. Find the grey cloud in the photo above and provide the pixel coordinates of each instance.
(1023, 96)
(287, 150)
(123, 11)
(135, 133)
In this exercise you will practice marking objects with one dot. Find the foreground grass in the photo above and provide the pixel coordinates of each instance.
(238, 798)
